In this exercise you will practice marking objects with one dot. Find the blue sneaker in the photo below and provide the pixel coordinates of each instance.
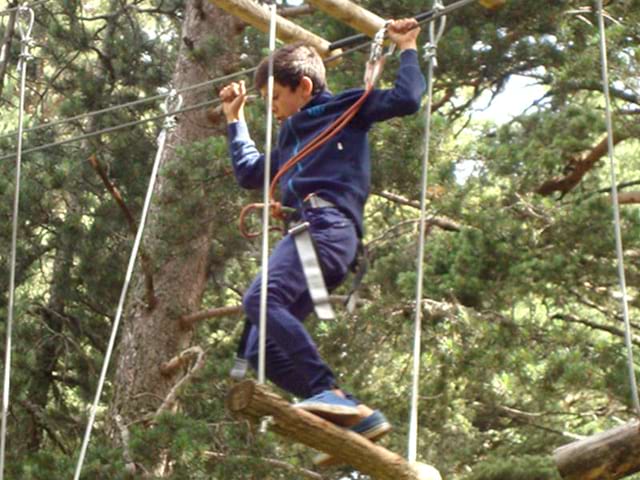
(328, 403)
(373, 427)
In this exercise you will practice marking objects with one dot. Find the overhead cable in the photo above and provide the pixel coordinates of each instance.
(150, 119)
(132, 103)
(25, 40)
(114, 128)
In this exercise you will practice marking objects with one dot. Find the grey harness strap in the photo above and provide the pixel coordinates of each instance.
(313, 276)
(310, 264)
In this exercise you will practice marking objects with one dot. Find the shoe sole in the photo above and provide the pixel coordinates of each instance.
(325, 460)
(320, 408)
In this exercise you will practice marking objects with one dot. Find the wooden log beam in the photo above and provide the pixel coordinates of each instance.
(607, 456)
(628, 198)
(253, 401)
(258, 15)
(353, 15)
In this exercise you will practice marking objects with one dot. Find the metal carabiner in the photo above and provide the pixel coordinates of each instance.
(377, 56)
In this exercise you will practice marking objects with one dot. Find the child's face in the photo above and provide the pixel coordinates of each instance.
(287, 101)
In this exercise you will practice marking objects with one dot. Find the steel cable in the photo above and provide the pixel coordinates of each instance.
(616, 210)
(25, 34)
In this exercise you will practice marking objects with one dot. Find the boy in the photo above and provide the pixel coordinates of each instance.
(328, 189)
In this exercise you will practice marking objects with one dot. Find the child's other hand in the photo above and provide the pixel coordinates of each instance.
(233, 97)
(404, 33)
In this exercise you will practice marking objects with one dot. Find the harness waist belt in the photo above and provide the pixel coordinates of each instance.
(312, 271)
(314, 201)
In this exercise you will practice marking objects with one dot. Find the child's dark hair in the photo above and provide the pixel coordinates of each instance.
(290, 64)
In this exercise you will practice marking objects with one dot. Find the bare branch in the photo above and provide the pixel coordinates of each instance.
(292, 12)
(174, 364)
(130, 465)
(577, 168)
(597, 326)
(441, 222)
(41, 419)
(270, 461)
(627, 198)
(146, 261)
(188, 321)
(528, 418)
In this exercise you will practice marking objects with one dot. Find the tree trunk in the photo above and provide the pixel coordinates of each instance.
(177, 240)
(5, 46)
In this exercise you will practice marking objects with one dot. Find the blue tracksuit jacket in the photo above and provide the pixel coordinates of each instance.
(340, 170)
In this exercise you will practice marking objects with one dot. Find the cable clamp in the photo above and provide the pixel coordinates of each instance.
(25, 26)
(430, 52)
(172, 104)
(265, 423)
(431, 47)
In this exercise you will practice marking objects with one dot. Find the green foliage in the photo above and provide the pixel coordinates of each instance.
(522, 306)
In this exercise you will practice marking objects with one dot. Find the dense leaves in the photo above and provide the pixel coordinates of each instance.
(523, 346)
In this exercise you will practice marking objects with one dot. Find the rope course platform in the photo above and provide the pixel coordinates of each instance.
(608, 455)
(255, 402)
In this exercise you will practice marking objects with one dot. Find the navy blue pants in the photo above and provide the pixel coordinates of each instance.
(292, 359)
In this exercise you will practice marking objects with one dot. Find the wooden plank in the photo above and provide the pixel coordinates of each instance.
(259, 16)
(353, 15)
(250, 400)
(607, 456)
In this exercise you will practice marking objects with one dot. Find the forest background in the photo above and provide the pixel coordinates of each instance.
(523, 347)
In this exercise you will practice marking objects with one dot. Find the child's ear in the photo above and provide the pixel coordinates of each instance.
(307, 86)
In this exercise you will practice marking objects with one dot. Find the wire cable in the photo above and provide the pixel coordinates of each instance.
(145, 100)
(430, 53)
(132, 103)
(422, 18)
(125, 287)
(616, 209)
(114, 128)
(25, 34)
(264, 281)
(140, 101)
